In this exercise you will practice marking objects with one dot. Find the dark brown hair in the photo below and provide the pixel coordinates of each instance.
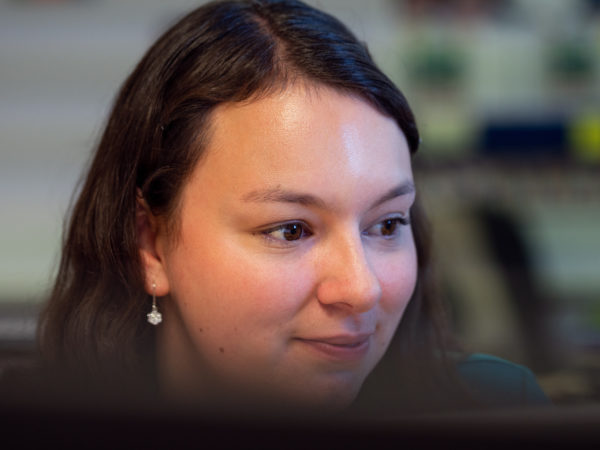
(222, 52)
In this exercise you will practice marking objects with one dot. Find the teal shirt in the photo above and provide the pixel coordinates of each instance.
(497, 382)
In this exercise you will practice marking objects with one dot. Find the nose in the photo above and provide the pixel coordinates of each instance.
(347, 280)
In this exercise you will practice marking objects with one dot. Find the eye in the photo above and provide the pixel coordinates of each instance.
(387, 228)
(291, 231)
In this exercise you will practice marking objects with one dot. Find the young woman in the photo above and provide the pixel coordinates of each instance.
(249, 228)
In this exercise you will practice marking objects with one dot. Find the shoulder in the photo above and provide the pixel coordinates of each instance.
(495, 381)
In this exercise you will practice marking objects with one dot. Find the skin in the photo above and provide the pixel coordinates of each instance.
(293, 263)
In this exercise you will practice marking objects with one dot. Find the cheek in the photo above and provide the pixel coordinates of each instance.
(254, 294)
(274, 286)
(398, 277)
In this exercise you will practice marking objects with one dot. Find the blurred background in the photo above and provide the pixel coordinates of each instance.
(507, 97)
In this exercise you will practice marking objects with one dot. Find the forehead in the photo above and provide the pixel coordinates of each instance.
(303, 137)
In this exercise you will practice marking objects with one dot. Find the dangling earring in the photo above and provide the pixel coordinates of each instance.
(154, 317)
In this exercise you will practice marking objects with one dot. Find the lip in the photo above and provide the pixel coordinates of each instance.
(345, 347)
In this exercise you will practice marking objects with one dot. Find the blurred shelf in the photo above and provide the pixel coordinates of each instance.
(481, 179)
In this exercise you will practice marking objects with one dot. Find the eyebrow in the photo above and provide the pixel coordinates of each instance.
(279, 195)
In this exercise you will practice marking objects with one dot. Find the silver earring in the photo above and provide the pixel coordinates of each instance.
(154, 317)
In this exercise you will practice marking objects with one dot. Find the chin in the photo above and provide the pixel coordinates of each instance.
(335, 401)
(331, 396)
(286, 395)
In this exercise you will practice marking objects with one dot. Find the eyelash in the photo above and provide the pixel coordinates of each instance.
(392, 221)
(302, 227)
(305, 232)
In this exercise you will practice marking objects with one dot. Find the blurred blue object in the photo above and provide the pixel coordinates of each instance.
(525, 139)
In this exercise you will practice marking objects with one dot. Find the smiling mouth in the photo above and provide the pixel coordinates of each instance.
(339, 348)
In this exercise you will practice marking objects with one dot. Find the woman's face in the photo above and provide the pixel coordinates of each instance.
(293, 264)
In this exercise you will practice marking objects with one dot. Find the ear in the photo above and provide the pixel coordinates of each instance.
(150, 248)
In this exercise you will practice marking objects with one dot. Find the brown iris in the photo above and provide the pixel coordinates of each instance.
(292, 231)
(388, 227)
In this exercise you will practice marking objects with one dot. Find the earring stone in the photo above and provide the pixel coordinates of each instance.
(154, 317)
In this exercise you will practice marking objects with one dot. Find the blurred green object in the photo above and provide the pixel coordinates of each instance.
(442, 65)
(594, 316)
(571, 60)
(584, 136)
